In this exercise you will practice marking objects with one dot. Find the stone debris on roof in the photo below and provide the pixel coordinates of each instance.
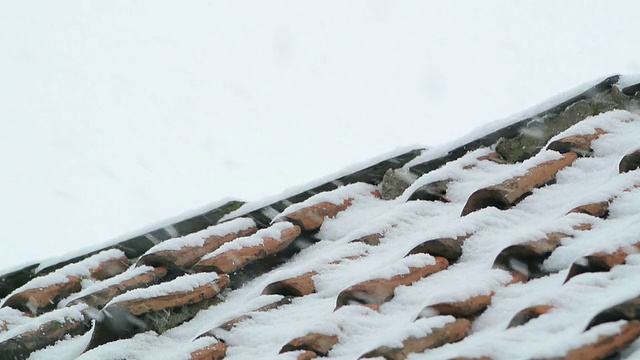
(523, 244)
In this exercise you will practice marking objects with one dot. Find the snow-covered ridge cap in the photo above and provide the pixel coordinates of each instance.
(336, 197)
(82, 268)
(273, 232)
(197, 239)
(179, 284)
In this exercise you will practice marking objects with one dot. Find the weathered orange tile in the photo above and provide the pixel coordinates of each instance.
(579, 144)
(629, 162)
(187, 256)
(231, 323)
(312, 217)
(527, 258)
(606, 346)
(228, 261)
(450, 333)
(513, 190)
(627, 310)
(448, 248)
(216, 351)
(40, 300)
(468, 307)
(379, 291)
(297, 286)
(599, 209)
(320, 344)
(528, 314)
(494, 157)
(21, 346)
(372, 239)
(434, 191)
(598, 262)
(143, 305)
(43, 293)
(101, 297)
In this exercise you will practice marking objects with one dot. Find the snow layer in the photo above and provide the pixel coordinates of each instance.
(197, 239)
(179, 284)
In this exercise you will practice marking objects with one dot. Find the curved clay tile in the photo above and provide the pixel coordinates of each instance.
(450, 333)
(434, 191)
(372, 239)
(133, 312)
(297, 286)
(61, 324)
(528, 314)
(448, 248)
(599, 262)
(156, 298)
(215, 351)
(527, 258)
(187, 256)
(231, 323)
(607, 346)
(235, 255)
(630, 162)
(320, 344)
(312, 217)
(101, 297)
(469, 307)
(579, 144)
(513, 190)
(628, 310)
(598, 209)
(43, 293)
(493, 157)
(307, 355)
(376, 292)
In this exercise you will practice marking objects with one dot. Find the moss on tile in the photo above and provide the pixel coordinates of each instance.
(538, 131)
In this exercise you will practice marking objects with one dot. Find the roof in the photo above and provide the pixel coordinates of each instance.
(519, 244)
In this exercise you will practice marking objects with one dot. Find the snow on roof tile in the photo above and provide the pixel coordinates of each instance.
(561, 217)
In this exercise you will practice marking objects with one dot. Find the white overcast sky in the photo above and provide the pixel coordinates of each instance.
(115, 115)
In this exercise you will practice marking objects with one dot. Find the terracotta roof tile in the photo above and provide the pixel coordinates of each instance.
(215, 351)
(579, 144)
(513, 190)
(231, 323)
(630, 162)
(470, 307)
(606, 346)
(41, 332)
(242, 251)
(184, 252)
(100, 295)
(600, 261)
(527, 258)
(41, 294)
(528, 314)
(320, 344)
(448, 248)
(377, 291)
(449, 333)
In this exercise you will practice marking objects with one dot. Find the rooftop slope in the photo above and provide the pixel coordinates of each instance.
(520, 244)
